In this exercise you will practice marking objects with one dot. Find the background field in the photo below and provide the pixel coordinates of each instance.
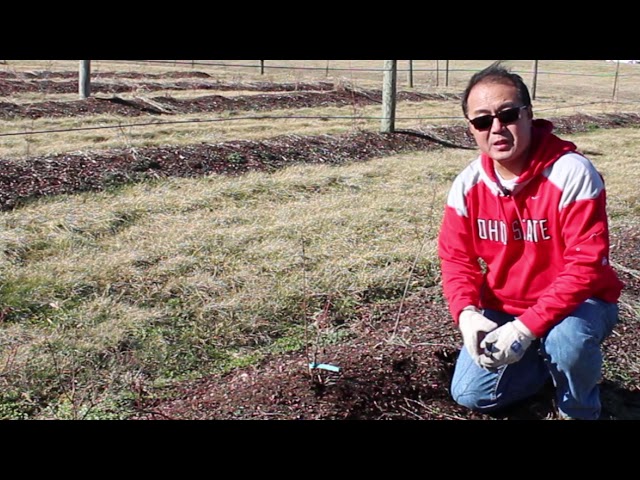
(562, 88)
(145, 280)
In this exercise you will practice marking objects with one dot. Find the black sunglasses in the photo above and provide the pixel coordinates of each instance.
(506, 117)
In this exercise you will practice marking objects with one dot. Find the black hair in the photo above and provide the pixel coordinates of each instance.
(497, 73)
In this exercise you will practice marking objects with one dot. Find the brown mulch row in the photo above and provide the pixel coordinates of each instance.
(50, 87)
(164, 105)
(45, 82)
(68, 75)
(70, 173)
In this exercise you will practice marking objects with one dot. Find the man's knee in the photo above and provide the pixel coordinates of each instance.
(571, 345)
(471, 398)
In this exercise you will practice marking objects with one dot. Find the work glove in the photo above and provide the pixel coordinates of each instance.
(505, 345)
(474, 326)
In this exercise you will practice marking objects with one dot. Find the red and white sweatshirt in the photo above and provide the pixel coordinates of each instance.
(536, 252)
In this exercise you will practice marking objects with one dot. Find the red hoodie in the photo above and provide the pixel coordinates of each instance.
(536, 252)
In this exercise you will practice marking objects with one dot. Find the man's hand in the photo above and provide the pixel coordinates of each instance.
(506, 344)
(474, 326)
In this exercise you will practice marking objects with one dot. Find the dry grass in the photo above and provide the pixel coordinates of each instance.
(93, 272)
(615, 153)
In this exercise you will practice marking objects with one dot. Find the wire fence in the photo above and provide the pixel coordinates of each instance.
(611, 76)
(558, 84)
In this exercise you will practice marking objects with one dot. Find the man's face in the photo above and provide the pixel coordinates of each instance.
(507, 144)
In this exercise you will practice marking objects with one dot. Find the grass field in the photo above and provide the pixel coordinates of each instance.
(146, 284)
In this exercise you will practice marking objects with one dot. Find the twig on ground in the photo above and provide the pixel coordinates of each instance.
(410, 412)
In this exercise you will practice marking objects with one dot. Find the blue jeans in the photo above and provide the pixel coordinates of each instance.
(570, 353)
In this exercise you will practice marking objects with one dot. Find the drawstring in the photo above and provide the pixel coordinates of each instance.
(504, 192)
(509, 226)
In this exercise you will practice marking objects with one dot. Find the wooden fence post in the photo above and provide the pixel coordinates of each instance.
(84, 85)
(410, 73)
(535, 79)
(615, 81)
(446, 81)
(389, 97)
